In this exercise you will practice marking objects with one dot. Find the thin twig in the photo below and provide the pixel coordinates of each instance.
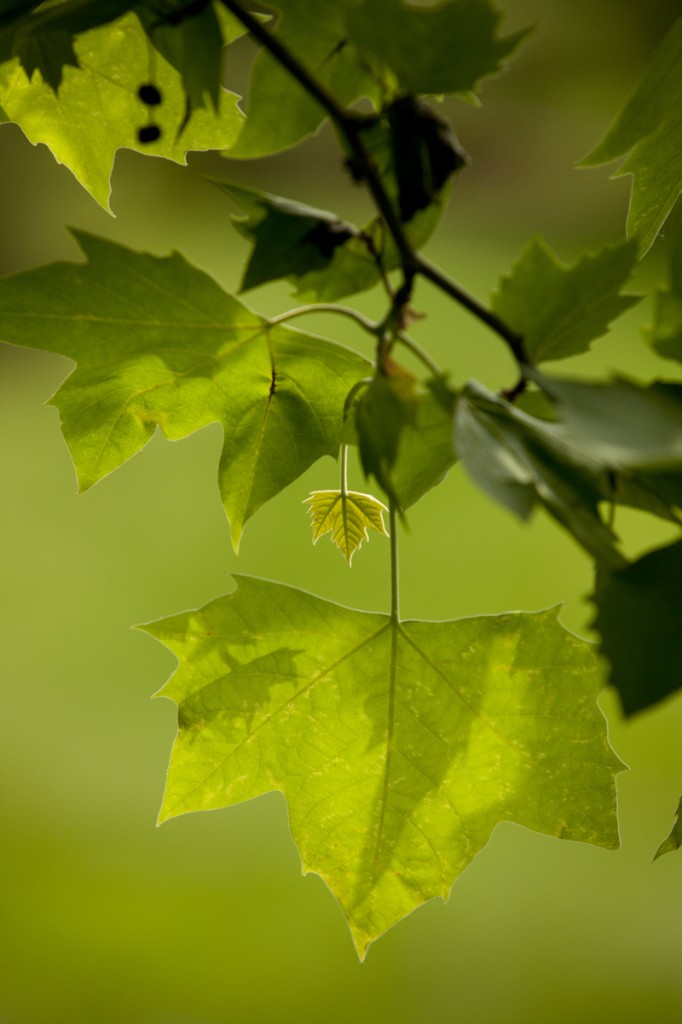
(326, 307)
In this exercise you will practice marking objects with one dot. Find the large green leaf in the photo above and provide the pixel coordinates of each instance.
(158, 344)
(523, 462)
(649, 128)
(560, 309)
(446, 48)
(640, 626)
(281, 112)
(398, 746)
(97, 109)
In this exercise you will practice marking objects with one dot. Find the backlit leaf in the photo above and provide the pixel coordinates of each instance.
(559, 309)
(159, 345)
(649, 129)
(398, 746)
(347, 516)
(97, 110)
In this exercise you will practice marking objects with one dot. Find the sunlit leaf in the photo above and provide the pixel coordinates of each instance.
(347, 515)
(98, 111)
(159, 345)
(399, 746)
(559, 309)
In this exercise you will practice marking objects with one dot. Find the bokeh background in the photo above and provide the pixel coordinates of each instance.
(208, 920)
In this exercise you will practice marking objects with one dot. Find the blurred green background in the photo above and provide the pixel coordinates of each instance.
(208, 920)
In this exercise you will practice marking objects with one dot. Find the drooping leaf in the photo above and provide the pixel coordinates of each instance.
(158, 344)
(97, 110)
(523, 462)
(446, 48)
(640, 627)
(290, 239)
(382, 412)
(621, 423)
(666, 333)
(649, 129)
(397, 746)
(347, 516)
(559, 309)
(425, 449)
(674, 840)
(280, 112)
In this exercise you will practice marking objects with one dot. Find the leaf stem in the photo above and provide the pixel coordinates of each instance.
(395, 582)
(344, 470)
(327, 307)
(421, 354)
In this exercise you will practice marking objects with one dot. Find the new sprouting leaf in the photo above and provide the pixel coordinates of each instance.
(559, 309)
(347, 515)
(159, 345)
(666, 333)
(97, 109)
(398, 746)
(281, 112)
(674, 840)
(522, 462)
(446, 48)
(649, 129)
(638, 621)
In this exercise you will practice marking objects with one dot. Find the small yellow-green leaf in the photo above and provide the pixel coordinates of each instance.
(347, 517)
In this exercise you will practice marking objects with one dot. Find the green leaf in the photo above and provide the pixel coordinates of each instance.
(674, 840)
(523, 462)
(559, 309)
(98, 110)
(425, 449)
(290, 239)
(281, 112)
(382, 412)
(190, 38)
(347, 516)
(398, 746)
(638, 620)
(44, 40)
(160, 345)
(621, 423)
(649, 128)
(666, 333)
(446, 48)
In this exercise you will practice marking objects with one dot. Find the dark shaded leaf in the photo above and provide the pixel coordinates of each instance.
(639, 621)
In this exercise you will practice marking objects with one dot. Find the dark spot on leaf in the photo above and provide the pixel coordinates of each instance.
(149, 94)
(148, 133)
(327, 236)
